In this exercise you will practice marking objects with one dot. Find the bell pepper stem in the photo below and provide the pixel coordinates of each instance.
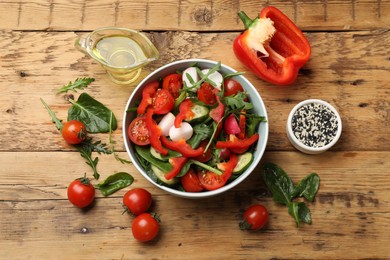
(245, 19)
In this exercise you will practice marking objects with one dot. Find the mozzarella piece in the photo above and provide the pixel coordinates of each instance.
(184, 131)
(166, 123)
(191, 71)
(215, 77)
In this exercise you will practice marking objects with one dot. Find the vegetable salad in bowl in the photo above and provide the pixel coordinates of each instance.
(195, 128)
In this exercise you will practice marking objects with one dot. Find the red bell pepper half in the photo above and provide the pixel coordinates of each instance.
(147, 96)
(177, 163)
(182, 147)
(272, 46)
(153, 128)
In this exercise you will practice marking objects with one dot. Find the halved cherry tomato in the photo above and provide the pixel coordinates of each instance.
(163, 102)
(205, 156)
(147, 93)
(173, 83)
(206, 94)
(137, 131)
(232, 87)
(74, 132)
(190, 182)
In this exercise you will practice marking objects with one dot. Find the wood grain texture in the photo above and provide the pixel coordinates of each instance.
(350, 209)
(349, 70)
(204, 15)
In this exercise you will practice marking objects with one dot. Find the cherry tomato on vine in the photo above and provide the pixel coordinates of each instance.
(81, 192)
(255, 217)
(74, 132)
(163, 102)
(145, 227)
(137, 201)
(232, 87)
(173, 83)
(190, 182)
(138, 133)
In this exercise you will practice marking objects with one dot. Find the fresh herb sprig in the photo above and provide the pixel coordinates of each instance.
(112, 143)
(78, 84)
(285, 192)
(54, 118)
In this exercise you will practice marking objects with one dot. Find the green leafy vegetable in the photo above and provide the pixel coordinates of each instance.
(237, 101)
(201, 133)
(112, 143)
(95, 115)
(114, 183)
(252, 121)
(79, 83)
(284, 191)
(144, 152)
(54, 118)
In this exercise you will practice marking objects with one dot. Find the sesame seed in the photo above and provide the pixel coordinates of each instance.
(315, 125)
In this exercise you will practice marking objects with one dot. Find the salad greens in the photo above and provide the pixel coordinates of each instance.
(114, 183)
(79, 83)
(284, 191)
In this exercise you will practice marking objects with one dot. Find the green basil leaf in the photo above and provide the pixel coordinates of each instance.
(92, 113)
(114, 183)
(308, 187)
(279, 183)
(300, 212)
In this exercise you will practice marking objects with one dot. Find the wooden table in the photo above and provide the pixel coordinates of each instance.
(349, 68)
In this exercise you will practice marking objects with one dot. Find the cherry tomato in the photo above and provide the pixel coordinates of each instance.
(232, 87)
(145, 227)
(163, 102)
(191, 182)
(137, 131)
(173, 83)
(255, 217)
(137, 201)
(205, 156)
(210, 180)
(81, 192)
(74, 132)
(206, 94)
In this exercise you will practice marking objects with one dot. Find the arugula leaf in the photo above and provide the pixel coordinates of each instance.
(79, 83)
(307, 187)
(237, 101)
(201, 133)
(252, 121)
(87, 154)
(95, 115)
(279, 183)
(112, 143)
(114, 183)
(54, 118)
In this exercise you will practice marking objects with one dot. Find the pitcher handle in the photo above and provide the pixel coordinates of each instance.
(81, 44)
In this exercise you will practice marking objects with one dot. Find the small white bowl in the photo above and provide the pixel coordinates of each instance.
(254, 96)
(320, 142)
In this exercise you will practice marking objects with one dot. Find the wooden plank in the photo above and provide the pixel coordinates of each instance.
(349, 70)
(351, 208)
(205, 15)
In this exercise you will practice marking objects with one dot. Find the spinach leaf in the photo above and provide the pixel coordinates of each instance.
(300, 212)
(201, 133)
(92, 113)
(307, 187)
(144, 152)
(252, 121)
(279, 183)
(114, 183)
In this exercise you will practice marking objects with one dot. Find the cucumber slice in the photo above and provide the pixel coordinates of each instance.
(161, 157)
(161, 176)
(244, 160)
(201, 113)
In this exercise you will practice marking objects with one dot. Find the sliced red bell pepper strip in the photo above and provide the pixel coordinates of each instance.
(185, 112)
(182, 147)
(217, 112)
(177, 163)
(237, 143)
(272, 46)
(147, 94)
(242, 125)
(155, 131)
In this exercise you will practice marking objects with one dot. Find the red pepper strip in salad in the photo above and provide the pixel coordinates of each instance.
(272, 46)
(242, 124)
(155, 131)
(177, 163)
(212, 181)
(147, 94)
(182, 147)
(235, 143)
(218, 112)
(185, 112)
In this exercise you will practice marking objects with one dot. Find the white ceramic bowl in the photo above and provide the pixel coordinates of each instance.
(301, 143)
(180, 65)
